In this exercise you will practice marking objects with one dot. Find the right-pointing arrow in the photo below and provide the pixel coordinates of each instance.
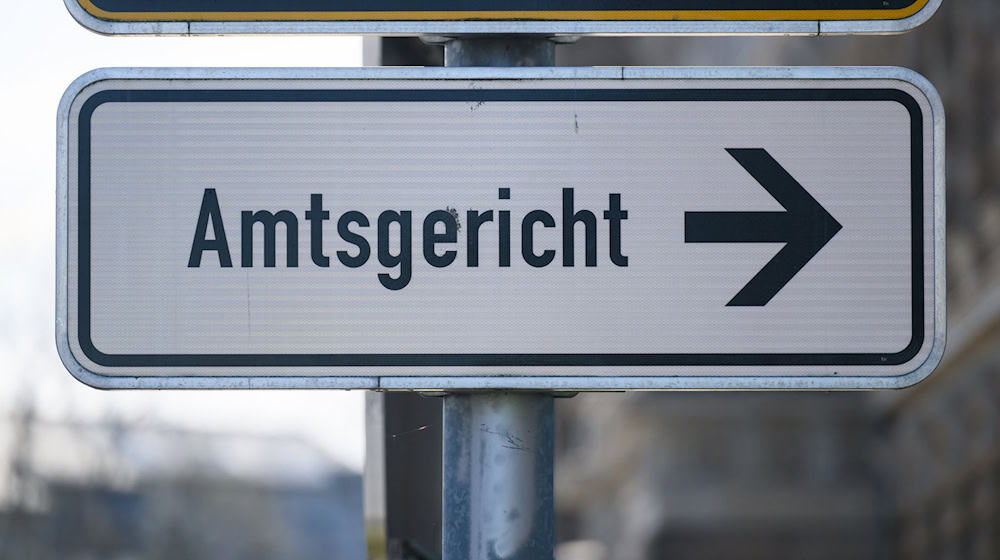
(805, 227)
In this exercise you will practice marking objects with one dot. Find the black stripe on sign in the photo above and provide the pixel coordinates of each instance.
(499, 360)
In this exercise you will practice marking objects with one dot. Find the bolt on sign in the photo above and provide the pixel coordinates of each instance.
(612, 228)
(805, 17)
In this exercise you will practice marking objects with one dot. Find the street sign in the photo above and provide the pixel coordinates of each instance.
(804, 17)
(573, 229)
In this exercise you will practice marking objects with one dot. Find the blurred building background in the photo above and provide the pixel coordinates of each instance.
(115, 491)
(912, 474)
(115, 475)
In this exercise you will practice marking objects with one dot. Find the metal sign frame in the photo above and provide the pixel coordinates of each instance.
(732, 22)
(332, 378)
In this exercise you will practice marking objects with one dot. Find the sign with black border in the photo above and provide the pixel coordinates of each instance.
(499, 369)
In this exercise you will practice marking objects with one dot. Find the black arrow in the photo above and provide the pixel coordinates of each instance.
(805, 227)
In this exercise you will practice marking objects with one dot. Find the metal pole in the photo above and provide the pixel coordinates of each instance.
(498, 51)
(497, 477)
(498, 447)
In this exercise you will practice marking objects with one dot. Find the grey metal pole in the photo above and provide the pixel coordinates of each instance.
(498, 447)
(499, 51)
(497, 477)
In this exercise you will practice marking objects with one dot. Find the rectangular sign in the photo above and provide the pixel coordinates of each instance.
(493, 16)
(470, 228)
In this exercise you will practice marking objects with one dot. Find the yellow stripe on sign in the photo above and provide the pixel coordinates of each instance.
(522, 15)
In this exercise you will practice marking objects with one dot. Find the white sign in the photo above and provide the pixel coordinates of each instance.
(446, 228)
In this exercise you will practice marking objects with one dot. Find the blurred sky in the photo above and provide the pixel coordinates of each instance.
(42, 50)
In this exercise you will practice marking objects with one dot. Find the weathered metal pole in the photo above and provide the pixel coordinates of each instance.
(498, 447)
(497, 476)
(499, 50)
